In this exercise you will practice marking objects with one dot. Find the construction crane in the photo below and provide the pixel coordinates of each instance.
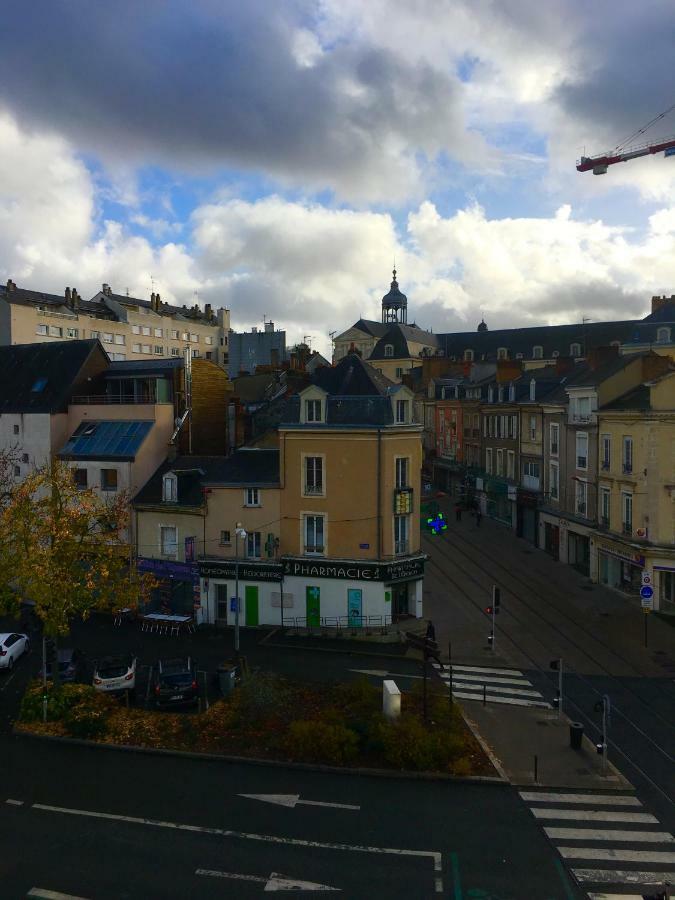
(623, 152)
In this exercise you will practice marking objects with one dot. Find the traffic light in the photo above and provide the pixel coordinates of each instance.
(496, 599)
(488, 610)
(491, 638)
(600, 746)
(556, 699)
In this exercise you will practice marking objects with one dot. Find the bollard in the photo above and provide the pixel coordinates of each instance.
(536, 769)
(484, 694)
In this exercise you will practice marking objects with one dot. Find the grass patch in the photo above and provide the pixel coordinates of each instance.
(276, 718)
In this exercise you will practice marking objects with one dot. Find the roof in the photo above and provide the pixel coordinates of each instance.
(398, 336)
(637, 398)
(164, 309)
(663, 314)
(587, 376)
(395, 298)
(129, 367)
(39, 378)
(353, 377)
(371, 327)
(118, 440)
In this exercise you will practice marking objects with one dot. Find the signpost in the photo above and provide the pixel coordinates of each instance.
(647, 598)
(431, 650)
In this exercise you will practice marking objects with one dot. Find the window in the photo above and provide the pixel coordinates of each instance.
(225, 538)
(158, 349)
(502, 353)
(120, 339)
(667, 589)
(388, 349)
(16, 429)
(605, 499)
(175, 351)
(468, 355)
(118, 356)
(554, 438)
(575, 350)
(135, 329)
(401, 471)
(108, 479)
(24, 457)
(533, 428)
(42, 329)
(17, 471)
(500, 462)
(531, 469)
(399, 372)
(146, 348)
(606, 451)
(488, 460)
(195, 354)
(582, 450)
(96, 334)
(511, 464)
(80, 479)
(186, 336)
(500, 393)
(580, 498)
(174, 334)
(55, 331)
(194, 338)
(253, 545)
(145, 330)
(252, 497)
(157, 332)
(208, 340)
(136, 348)
(533, 389)
(401, 412)
(581, 409)
(400, 534)
(170, 488)
(663, 335)
(554, 481)
(314, 534)
(108, 337)
(512, 393)
(208, 354)
(313, 410)
(72, 332)
(537, 352)
(314, 475)
(168, 537)
(627, 512)
(627, 454)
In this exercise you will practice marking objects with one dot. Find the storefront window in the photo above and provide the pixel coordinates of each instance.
(667, 591)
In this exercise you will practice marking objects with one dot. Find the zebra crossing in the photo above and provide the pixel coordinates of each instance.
(608, 842)
(508, 687)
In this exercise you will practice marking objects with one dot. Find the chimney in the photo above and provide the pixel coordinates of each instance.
(508, 370)
(654, 365)
(74, 299)
(153, 301)
(254, 330)
(11, 286)
(269, 326)
(564, 364)
(659, 302)
(208, 311)
(598, 356)
(69, 299)
(107, 290)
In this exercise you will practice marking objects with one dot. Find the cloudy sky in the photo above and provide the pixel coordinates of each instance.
(276, 157)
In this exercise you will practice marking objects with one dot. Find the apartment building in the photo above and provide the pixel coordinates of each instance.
(128, 327)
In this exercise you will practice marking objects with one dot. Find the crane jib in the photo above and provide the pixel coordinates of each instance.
(599, 164)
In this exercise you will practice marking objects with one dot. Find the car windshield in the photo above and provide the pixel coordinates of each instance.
(176, 679)
(113, 668)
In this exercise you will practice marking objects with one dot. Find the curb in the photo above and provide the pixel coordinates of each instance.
(361, 771)
(473, 728)
(345, 652)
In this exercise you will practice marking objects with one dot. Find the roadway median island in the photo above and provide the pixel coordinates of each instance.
(272, 718)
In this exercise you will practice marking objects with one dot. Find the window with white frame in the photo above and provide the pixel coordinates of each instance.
(488, 460)
(136, 348)
(41, 329)
(158, 349)
(253, 545)
(194, 338)
(468, 355)
(512, 392)
(208, 340)
(605, 500)
(120, 340)
(533, 428)
(313, 411)
(491, 394)
(95, 334)
(401, 534)
(168, 541)
(554, 438)
(314, 534)
(582, 450)
(511, 464)
(174, 334)
(502, 353)
(252, 497)
(175, 351)
(663, 335)
(581, 498)
(533, 389)
(575, 350)
(627, 512)
(55, 331)
(581, 408)
(388, 349)
(135, 329)
(531, 469)
(314, 475)
(605, 451)
(402, 471)
(627, 455)
(402, 414)
(500, 393)
(170, 488)
(399, 372)
(146, 348)
(225, 537)
(554, 481)
(500, 462)
(157, 332)
(73, 332)
(537, 352)
(145, 330)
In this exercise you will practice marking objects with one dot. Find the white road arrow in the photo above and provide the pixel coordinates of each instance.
(382, 673)
(275, 882)
(293, 800)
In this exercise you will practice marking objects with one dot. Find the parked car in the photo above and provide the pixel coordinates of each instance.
(175, 682)
(12, 646)
(70, 662)
(115, 674)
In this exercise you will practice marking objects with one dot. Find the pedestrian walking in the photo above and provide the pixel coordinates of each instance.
(458, 512)
(431, 631)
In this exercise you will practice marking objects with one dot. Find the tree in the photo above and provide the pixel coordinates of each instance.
(66, 550)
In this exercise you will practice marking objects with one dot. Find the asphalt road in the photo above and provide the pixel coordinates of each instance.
(104, 824)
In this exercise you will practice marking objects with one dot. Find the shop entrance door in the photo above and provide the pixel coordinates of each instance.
(221, 604)
(355, 606)
(251, 601)
(552, 540)
(399, 601)
(313, 606)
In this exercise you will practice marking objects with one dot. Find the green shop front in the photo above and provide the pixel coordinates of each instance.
(260, 592)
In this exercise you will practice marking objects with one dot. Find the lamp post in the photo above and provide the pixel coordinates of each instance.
(239, 532)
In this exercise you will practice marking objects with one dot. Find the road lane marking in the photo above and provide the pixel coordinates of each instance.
(509, 701)
(479, 670)
(484, 679)
(594, 815)
(491, 688)
(275, 882)
(45, 894)
(14, 802)
(382, 673)
(435, 855)
(625, 876)
(293, 800)
(593, 834)
(594, 896)
(600, 799)
(664, 857)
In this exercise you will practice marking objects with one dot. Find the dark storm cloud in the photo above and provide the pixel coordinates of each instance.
(626, 72)
(194, 84)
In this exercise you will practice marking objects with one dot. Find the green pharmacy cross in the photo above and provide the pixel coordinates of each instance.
(437, 523)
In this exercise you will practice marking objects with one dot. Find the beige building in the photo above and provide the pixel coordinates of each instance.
(128, 328)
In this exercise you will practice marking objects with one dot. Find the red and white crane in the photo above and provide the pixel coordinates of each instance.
(622, 153)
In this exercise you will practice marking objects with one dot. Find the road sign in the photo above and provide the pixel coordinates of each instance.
(646, 592)
(646, 577)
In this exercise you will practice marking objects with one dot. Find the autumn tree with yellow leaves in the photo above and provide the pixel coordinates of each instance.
(67, 550)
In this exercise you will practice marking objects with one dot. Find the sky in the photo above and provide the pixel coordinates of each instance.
(278, 158)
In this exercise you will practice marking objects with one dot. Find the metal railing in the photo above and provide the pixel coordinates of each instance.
(314, 489)
(112, 399)
(401, 547)
(335, 626)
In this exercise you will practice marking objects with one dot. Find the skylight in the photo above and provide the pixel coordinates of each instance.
(39, 385)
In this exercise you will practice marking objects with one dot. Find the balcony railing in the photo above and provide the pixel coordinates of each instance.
(113, 399)
(314, 489)
(581, 418)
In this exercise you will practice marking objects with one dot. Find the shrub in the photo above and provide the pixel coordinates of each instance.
(88, 718)
(322, 742)
(410, 744)
(360, 699)
(261, 696)
(59, 701)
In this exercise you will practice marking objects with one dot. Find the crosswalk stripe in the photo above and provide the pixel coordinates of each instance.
(491, 688)
(623, 876)
(594, 815)
(600, 799)
(509, 701)
(481, 679)
(594, 834)
(594, 896)
(480, 670)
(664, 857)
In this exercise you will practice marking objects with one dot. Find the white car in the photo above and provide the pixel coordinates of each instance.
(12, 646)
(114, 674)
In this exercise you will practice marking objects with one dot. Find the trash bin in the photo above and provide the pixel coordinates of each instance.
(576, 734)
(226, 676)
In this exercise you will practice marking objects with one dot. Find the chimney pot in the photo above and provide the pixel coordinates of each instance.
(11, 286)
(69, 299)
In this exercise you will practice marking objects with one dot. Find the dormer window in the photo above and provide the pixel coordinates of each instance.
(502, 353)
(170, 488)
(389, 350)
(519, 355)
(575, 350)
(468, 355)
(663, 335)
(313, 411)
(533, 389)
(555, 354)
(537, 352)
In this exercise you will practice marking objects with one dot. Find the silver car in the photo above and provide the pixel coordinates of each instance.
(115, 674)
(12, 646)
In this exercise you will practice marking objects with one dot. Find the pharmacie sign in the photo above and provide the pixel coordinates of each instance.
(247, 571)
(347, 570)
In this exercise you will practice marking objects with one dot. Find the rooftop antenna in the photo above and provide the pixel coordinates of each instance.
(127, 291)
(152, 282)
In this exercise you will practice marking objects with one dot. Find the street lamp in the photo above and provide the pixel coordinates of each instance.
(239, 532)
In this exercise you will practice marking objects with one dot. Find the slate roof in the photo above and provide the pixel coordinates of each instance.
(370, 326)
(101, 440)
(28, 297)
(398, 336)
(354, 377)
(637, 398)
(165, 309)
(585, 376)
(664, 314)
(58, 363)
